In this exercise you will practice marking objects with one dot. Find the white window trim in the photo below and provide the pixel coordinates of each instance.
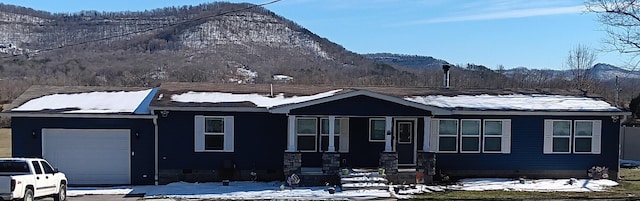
(370, 121)
(199, 133)
(596, 145)
(505, 136)
(480, 142)
(548, 133)
(413, 131)
(596, 130)
(457, 135)
(315, 135)
(336, 135)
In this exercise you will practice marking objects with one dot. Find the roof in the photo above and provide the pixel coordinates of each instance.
(200, 96)
(39, 99)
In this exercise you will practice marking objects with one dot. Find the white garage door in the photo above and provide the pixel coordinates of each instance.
(89, 156)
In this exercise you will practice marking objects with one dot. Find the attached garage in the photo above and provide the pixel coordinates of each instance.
(89, 156)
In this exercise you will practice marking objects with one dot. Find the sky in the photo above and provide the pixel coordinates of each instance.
(512, 33)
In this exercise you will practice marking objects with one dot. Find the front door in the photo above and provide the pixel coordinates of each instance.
(405, 141)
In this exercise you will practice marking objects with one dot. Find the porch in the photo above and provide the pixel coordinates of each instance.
(320, 148)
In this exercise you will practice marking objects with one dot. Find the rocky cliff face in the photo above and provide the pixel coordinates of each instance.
(204, 43)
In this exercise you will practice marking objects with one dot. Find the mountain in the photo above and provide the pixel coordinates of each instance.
(409, 61)
(213, 42)
(602, 71)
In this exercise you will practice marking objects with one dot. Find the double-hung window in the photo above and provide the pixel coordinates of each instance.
(572, 136)
(377, 130)
(447, 135)
(214, 133)
(306, 133)
(470, 132)
(324, 134)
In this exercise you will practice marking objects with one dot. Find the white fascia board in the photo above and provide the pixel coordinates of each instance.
(287, 108)
(540, 113)
(212, 109)
(70, 115)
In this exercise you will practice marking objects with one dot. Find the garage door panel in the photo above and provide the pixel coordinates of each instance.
(89, 156)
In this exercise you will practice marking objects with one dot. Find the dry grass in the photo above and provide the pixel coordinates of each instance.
(5, 142)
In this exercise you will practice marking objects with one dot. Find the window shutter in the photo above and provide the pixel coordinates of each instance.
(506, 136)
(344, 135)
(548, 136)
(433, 136)
(228, 134)
(199, 133)
(597, 135)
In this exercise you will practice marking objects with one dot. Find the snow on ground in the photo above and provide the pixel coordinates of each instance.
(629, 163)
(515, 102)
(538, 185)
(273, 190)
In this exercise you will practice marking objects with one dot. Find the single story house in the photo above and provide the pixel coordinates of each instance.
(209, 132)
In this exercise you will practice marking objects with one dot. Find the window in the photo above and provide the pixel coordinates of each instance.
(47, 168)
(377, 130)
(567, 136)
(36, 167)
(306, 132)
(214, 134)
(494, 132)
(447, 135)
(583, 137)
(324, 134)
(470, 132)
(471, 135)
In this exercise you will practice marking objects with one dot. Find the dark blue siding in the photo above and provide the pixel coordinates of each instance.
(260, 141)
(527, 141)
(360, 106)
(25, 145)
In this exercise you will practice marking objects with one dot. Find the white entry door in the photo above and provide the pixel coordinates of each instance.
(89, 156)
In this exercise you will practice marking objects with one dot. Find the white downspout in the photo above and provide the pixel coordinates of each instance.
(155, 160)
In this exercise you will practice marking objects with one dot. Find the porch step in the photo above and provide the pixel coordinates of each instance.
(359, 179)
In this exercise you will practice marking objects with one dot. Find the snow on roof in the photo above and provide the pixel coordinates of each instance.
(515, 102)
(91, 102)
(258, 99)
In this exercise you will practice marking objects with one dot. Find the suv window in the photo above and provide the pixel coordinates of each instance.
(14, 166)
(37, 167)
(47, 168)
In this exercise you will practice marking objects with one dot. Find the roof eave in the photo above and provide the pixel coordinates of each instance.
(78, 115)
(210, 109)
(550, 113)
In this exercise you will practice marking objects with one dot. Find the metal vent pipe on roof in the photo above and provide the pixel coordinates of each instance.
(445, 81)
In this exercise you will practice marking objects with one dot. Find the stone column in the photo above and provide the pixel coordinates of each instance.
(389, 162)
(292, 163)
(426, 165)
(330, 163)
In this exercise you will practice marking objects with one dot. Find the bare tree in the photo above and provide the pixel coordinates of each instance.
(580, 62)
(622, 19)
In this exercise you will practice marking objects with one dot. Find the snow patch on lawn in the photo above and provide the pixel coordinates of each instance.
(272, 190)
